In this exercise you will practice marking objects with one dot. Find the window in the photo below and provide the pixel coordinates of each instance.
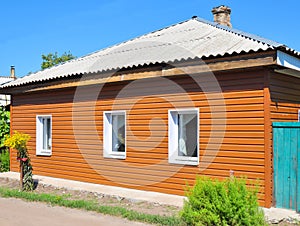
(184, 136)
(43, 135)
(298, 115)
(114, 130)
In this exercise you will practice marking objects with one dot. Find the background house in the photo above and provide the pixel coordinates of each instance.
(5, 98)
(195, 98)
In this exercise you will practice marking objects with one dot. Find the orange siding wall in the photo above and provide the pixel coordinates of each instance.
(285, 97)
(285, 100)
(146, 166)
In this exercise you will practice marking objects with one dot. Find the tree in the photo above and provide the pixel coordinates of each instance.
(4, 126)
(51, 59)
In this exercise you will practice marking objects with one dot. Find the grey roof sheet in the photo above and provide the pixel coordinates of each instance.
(5, 79)
(194, 38)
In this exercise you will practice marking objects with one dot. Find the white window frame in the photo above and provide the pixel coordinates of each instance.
(107, 135)
(173, 137)
(299, 115)
(39, 136)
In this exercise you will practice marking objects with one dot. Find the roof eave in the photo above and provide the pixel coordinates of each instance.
(192, 66)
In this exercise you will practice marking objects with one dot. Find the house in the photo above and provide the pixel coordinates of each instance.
(194, 98)
(4, 98)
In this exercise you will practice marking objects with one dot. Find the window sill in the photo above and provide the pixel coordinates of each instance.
(44, 154)
(114, 156)
(192, 162)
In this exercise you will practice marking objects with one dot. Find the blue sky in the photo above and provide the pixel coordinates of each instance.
(31, 28)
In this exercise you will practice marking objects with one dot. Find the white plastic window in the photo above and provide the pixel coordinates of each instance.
(114, 131)
(184, 136)
(44, 135)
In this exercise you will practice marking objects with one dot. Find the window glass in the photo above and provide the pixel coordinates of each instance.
(118, 133)
(114, 134)
(183, 136)
(43, 135)
(46, 133)
(187, 135)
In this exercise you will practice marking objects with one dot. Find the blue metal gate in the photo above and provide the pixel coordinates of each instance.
(286, 146)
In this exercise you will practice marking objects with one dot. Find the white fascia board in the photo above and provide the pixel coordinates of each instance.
(288, 61)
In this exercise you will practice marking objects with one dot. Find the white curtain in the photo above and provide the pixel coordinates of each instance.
(46, 133)
(183, 133)
(118, 133)
(49, 133)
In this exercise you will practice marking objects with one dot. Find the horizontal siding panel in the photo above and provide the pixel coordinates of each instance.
(226, 164)
(284, 108)
(230, 98)
(94, 149)
(284, 116)
(144, 114)
(236, 154)
(23, 126)
(130, 173)
(225, 173)
(203, 109)
(285, 96)
(285, 90)
(120, 176)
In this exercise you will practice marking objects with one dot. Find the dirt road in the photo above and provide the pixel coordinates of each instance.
(15, 212)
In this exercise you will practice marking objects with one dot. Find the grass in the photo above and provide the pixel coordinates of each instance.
(57, 200)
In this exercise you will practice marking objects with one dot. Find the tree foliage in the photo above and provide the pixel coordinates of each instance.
(4, 126)
(52, 59)
(4, 161)
(4, 131)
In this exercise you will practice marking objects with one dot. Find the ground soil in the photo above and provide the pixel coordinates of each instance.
(102, 199)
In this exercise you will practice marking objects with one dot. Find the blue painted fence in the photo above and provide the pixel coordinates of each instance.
(286, 146)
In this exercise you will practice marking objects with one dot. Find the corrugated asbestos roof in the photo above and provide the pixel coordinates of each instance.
(5, 79)
(194, 38)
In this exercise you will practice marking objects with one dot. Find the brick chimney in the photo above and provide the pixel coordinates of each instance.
(12, 72)
(222, 15)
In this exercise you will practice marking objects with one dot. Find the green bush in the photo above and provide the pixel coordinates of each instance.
(214, 202)
(4, 161)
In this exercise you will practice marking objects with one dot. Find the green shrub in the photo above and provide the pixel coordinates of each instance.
(214, 202)
(4, 161)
